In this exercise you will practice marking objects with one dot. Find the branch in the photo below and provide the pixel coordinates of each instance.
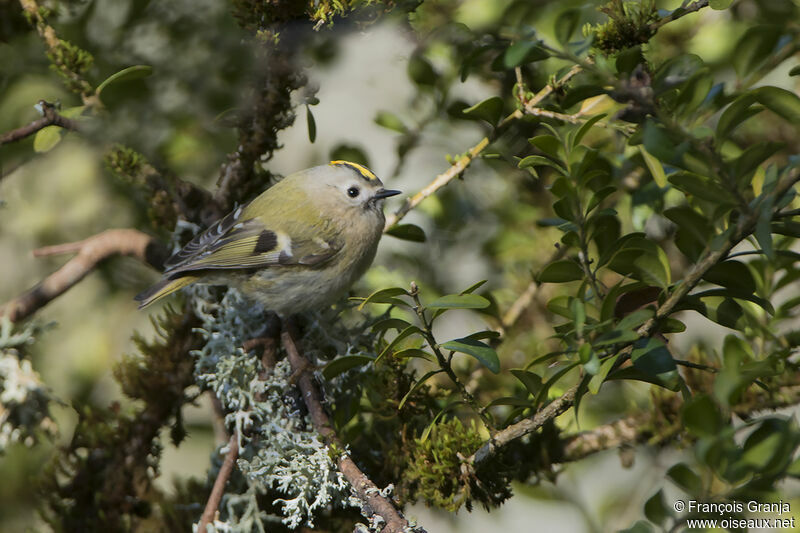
(90, 253)
(744, 227)
(365, 489)
(50, 118)
(224, 474)
(678, 13)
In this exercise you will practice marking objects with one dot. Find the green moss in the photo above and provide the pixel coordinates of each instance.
(630, 24)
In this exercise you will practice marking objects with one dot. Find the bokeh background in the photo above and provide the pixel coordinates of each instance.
(177, 118)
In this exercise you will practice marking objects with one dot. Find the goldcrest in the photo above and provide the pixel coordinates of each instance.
(298, 246)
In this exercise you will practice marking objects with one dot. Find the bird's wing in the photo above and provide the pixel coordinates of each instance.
(238, 242)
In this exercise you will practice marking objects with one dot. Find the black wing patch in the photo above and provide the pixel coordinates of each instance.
(267, 241)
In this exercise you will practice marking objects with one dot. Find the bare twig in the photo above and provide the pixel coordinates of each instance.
(90, 253)
(744, 227)
(218, 490)
(678, 13)
(365, 489)
(50, 118)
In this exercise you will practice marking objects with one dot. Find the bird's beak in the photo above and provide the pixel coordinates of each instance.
(386, 193)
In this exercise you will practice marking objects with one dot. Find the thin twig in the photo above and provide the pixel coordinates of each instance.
(90, 252)
(678, 13)
(50, 117)
(365, 489)
(218, 490)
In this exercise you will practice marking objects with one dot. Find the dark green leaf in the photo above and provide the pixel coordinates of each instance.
(685, 478)
(460, 301)
(523, 52)
(585, 127)
(732, 275)
(489, 110)
(484, 353)
(735, 114)
(538, 160)
(694, 230)
(312, 125)
(783, 103)
(560, 272)
(701, 187)
(753, 48)
(474, 287)
(655, 509)
(127, 74)
(702, 417)
(390, 323)
(417, 385)
(410, 330)
(531, 381)
(382, 296)
(407, 232)
(421, 71)
(343, 364)
(566, 24)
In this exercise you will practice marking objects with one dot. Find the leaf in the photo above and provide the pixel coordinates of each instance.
(343, 364)
(413, 352)
(732, 293)
(47, 138)
(417, 385)
(701, 187)
(312, 125)
(685, 478)
(719, 5)
(421, 71)
(489, 110)
(754, 47)
(585, 127)
(460, 301)
(383, 296)
(410, 330)
(654, 166)
(732, 275)
(694, 230)
(783, 103)
(531, 381)
(561, 271)
(407, 232)
(735, 114)
(652, 357)
(538, 160)
(548, 144)
(701, 416)
(474, 287)
(484, 353)
(127, 74)
(390, 121)
(566, 23)
(389, 323)
(599, 378)
(523, 52)
(763, 231)
(655, 509)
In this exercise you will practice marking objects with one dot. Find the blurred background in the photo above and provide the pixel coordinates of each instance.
(176, 117)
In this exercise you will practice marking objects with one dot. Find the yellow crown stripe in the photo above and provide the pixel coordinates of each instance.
(362, 170)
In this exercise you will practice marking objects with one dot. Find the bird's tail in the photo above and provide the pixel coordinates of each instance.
(163, 288)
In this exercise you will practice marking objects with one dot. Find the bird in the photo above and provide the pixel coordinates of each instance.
(296, 247)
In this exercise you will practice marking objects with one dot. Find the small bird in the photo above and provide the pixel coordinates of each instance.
(297, 246)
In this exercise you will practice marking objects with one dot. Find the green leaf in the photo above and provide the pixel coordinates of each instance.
(548, 144)
(655, 509)
(702, 417)
(407, 232)
(413, 352)
(732, 275)
(652, 357)
(685, 478)
(343, 364)
(474, 287)
(763, 231)
(701, 187)
(484, 353)
(732, 293)
(523, 52)
(694, 230)
(489, 110)
(531, 381)
(566, 23)
(127, 74)
(599, 378)
(585, 127)
(561, 271)
(753, 48)
(538, 161)
(719, 5)
(654, 166)
(421, 71)
(384, 296)
(389, 323)
(736, 113)
(460, 301)
(47, 138)
(783, 103)
(312, 125)
(417, 385)
(410, 330)
(390, 121)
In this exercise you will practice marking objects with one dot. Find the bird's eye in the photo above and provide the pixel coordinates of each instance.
(352, 192)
